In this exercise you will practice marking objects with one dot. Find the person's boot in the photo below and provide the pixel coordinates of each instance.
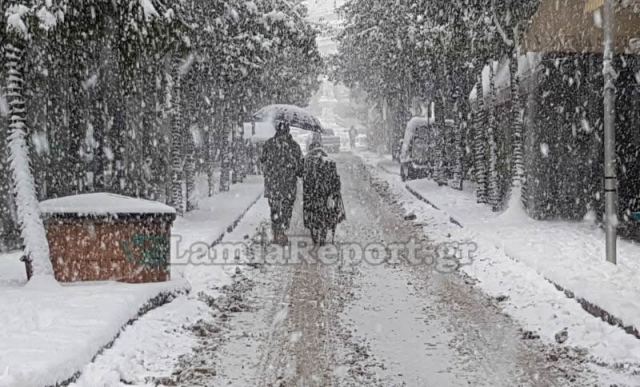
(276, 235)
(283, 238)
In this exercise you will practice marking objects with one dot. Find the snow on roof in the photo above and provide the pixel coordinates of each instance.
(103, 204)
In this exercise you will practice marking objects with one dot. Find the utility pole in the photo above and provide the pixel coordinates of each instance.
(610, 180)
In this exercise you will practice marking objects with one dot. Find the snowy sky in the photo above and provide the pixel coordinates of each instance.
(324, 11)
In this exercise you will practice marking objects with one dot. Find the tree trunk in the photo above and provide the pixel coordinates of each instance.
(118, 131)
(517, 160)
(440, 173)
(516, 125)
(177, 133)
(494, 184)
(209, 160)
(225, 156)
(235, 157)
(190, 169)
(480, 162)
(31, 225)
(459, 126)
(9, 233)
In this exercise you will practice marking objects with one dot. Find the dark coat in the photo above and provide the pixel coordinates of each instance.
(282, 164)
(323, 207)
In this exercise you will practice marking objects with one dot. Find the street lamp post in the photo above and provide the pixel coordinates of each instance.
(610, 179)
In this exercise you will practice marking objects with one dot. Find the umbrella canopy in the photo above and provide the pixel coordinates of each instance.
(293, 115)
(575, 26)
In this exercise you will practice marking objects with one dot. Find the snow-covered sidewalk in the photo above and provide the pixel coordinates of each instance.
(516, 256)
(570, 254)
(150, 352)
(51, 333)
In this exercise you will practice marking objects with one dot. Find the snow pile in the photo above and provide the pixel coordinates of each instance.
(12, 271)
(97, 204)
(570, 254)
(518, 257)
(50, 332)
(515, 212)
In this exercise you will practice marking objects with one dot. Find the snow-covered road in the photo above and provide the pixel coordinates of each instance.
(359, 323)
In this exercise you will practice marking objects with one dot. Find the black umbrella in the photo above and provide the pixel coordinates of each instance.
(293, 115)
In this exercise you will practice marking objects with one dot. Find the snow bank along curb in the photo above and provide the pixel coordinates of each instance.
(159, 348)
(423, 199)
(589, 306)
(382, 166)
(596, 310)
(237, 221)
(159, 300)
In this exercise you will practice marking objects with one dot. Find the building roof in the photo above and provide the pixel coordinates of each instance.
(574, 26)
(102, 204)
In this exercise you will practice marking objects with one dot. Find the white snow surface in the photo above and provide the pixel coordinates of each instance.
(151, 347)
(526, 66)
(15, 22)
(47, 19)
(518, 257)
(50, 332)
(103, 204)
(149, 10)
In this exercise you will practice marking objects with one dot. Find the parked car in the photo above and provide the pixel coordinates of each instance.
(330, 142)
(417, 150)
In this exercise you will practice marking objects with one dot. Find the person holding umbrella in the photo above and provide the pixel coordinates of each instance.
(281, 161)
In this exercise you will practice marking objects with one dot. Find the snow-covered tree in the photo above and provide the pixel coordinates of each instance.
(100, 92)
(510, 19)
(33, 234)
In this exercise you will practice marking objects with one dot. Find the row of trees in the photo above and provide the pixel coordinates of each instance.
(137, 97)
(432, 52)
(536, 139)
